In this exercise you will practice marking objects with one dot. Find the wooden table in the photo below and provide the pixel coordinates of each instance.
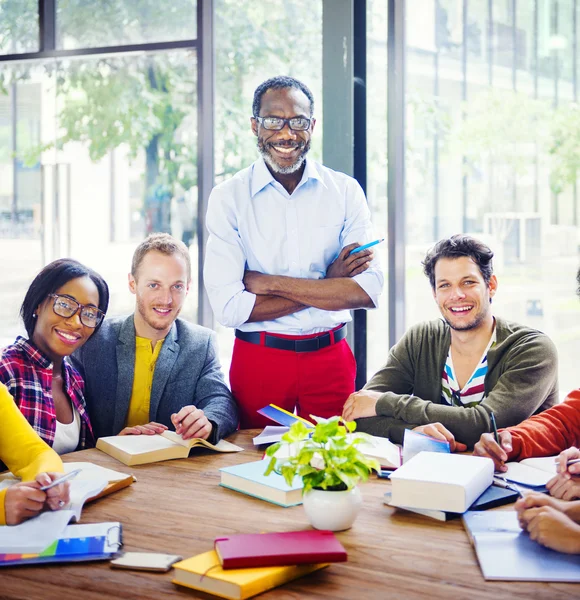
(178, 507)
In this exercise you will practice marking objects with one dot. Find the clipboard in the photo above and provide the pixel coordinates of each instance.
(77, 543)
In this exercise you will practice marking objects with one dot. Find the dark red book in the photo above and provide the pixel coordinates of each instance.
(277, 549)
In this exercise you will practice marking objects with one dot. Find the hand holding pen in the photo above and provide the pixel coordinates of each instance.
(568, 463)
(495, 445)
(352, 260)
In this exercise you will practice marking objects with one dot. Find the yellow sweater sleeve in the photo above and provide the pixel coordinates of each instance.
(23, 452)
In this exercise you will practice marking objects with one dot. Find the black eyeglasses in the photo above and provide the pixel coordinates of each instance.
(66, 307)
(277, 123)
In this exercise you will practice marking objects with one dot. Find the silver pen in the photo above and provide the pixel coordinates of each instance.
(60, 480)
(503, 483)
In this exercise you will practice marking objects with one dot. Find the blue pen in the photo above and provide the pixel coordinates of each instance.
(366, 246)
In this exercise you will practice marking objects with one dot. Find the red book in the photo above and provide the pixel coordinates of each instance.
(278, 549)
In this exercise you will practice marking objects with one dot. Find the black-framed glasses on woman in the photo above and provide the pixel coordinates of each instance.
(277, 123)
(65, 306)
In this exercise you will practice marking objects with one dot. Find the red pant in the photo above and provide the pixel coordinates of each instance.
(316, 383)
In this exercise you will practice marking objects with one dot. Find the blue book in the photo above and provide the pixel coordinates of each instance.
(506, 552)
(415, 442)
(249, 478)
(281, 416)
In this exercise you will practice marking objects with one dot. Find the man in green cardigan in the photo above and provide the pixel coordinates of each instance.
(447, 377)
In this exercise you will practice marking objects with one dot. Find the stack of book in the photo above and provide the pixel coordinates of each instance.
(242, 566)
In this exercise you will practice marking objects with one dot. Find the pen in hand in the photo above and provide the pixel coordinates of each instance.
(60, 480)
(365, 246)
(494, 428)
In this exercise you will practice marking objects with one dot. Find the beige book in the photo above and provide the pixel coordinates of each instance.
(143, 449)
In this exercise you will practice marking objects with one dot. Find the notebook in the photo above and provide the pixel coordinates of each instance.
(506, 552)
(143, 449)
(448, 482)
(95, 541)
(532, 472)
(249, 478)
(34, 535)
(115, 479)
(274, 549)
(203, 572)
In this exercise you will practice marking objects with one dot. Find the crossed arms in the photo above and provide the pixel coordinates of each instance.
(278, 296)
(243, 261)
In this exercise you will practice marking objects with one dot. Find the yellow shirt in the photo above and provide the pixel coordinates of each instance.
(145, 360)
(23, 452)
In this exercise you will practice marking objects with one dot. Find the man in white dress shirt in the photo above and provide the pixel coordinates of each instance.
(278, 264)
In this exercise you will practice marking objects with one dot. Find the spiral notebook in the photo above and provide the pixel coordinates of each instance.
(94, 541)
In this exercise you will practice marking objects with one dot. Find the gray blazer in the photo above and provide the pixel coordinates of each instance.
(187, 372)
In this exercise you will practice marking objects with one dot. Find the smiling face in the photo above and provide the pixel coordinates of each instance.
(58, 336)
(160, 286)
(284, 151)
(461, 293)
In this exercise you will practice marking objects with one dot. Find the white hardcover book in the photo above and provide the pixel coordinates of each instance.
(437, 481)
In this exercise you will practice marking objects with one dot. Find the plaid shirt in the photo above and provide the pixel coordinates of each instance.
(27, 373)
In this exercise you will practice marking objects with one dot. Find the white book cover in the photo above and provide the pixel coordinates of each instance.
(438, 481)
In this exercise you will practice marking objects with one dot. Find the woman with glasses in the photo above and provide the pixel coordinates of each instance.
(63, 307)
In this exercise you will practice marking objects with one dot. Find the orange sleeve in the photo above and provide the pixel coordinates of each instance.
(549, 432)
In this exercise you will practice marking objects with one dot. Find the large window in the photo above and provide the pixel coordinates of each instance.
(82, 24)
(492, 151)
(95, 151)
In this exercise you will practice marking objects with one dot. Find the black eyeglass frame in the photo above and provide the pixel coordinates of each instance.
(80, 307)
(284, 123)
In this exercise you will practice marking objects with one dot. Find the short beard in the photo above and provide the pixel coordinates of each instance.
(269, 160)
(469, 326)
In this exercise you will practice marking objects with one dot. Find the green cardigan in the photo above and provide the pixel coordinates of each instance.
(522, 379)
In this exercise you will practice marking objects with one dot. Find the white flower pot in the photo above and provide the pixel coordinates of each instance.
(330, 510)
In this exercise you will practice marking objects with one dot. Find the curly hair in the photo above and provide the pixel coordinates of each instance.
(455, 247)
(278, 83)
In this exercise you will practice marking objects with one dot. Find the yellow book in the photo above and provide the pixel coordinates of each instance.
(143, 449)
(203, 572)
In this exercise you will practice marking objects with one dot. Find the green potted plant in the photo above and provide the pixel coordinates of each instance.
(330, 465)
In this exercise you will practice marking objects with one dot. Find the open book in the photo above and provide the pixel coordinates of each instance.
(532, 472)
(387, 453)
(92, 482)
(143, 449)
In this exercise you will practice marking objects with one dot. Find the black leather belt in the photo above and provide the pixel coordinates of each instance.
(308, 345)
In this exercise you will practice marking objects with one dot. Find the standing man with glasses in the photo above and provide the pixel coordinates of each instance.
(445, 378)
(279, 267)
(150, 371)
